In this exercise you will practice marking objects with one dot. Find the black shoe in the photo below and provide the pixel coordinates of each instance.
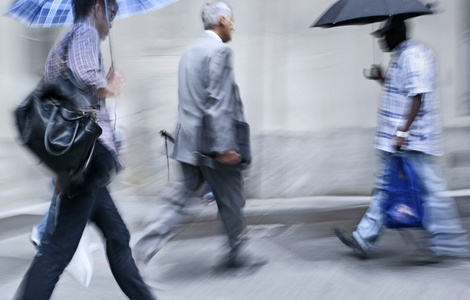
(349, 240)
(422, 259)
(245, 261)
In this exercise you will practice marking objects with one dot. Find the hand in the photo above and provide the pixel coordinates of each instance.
(374, 73)
(399, 141)
(229, 158)
(115, 83)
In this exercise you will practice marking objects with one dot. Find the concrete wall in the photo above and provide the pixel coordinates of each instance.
(312, 113)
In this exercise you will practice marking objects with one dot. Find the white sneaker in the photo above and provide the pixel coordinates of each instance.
(34, 237)
(208, 199)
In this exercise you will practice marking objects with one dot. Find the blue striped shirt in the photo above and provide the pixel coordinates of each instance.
(411, 71)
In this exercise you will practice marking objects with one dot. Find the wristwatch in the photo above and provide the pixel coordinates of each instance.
(402, 134)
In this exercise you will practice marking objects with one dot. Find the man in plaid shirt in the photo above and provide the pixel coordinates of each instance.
(79, 51)
(409, 121)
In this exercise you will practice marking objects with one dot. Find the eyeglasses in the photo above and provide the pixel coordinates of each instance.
(111, 14)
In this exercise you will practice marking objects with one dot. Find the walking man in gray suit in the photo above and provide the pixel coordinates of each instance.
(207, 94)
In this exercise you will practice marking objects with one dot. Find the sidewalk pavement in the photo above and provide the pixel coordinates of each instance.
(203, 219)
(306, 260)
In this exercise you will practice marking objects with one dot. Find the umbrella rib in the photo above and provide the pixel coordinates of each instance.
(385, 2)
(357, 12)
(339, 6)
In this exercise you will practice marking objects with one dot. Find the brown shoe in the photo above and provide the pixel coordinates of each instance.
(349, 240)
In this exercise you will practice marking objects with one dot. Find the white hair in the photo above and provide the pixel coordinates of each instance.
(212, 11)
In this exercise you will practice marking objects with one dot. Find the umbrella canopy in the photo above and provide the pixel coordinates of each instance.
(59, 13)
(358, 12)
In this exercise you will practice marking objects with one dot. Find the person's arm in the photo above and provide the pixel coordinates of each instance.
(418, 68)
(221, 111)
(84, 59)
(86, 63)
(402, 132)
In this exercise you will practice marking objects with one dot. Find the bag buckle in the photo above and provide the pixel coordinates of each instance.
(55, 101)
(94, 115)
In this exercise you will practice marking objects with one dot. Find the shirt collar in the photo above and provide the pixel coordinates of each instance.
(86, 25)
(212, 33)
(400, 47)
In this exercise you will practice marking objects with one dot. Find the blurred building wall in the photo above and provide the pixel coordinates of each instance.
(311, 111)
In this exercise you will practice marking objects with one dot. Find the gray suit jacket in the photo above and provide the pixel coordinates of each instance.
(206, 88)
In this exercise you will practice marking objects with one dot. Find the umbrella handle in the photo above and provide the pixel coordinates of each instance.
(109, 32)
(112, 54)
(373, 45)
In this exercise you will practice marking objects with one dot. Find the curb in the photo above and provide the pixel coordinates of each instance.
(254, 207)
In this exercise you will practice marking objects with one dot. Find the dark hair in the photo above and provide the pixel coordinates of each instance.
(81, 8)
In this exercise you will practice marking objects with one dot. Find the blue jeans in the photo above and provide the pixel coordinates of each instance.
(46, 226)
(208, 189)
(441, 218)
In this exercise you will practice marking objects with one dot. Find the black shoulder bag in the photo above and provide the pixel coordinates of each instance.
(53, 127)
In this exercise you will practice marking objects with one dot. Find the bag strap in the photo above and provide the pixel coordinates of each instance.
(78, 173)
(63, 67)
(46, 135)
(67, 73)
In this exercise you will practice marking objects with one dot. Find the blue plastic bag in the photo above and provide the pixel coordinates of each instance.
(402, 205)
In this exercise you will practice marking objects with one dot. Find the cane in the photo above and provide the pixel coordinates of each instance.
(168, 137)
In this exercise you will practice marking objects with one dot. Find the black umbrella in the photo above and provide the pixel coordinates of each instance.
(358, 12)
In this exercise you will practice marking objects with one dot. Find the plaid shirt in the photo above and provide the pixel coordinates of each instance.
(84, 59)
(411, 72)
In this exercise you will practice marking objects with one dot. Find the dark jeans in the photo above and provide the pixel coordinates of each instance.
(93, 204)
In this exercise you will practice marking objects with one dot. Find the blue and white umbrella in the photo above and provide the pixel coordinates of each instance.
(59, 13)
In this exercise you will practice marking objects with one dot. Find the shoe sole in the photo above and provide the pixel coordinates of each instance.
(361, 253)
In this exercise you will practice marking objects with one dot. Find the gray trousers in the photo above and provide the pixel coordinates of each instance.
(227, 186)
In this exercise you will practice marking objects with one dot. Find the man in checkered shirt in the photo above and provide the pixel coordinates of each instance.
(79, 51)
(408, 120)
